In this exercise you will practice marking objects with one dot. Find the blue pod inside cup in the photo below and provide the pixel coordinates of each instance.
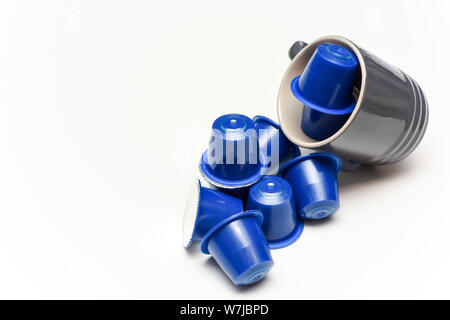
(314, 183)
(326, 86)
(233, 159)
(321, 126)
(204, 209)
(273, 197)
(273, 144)
(239, 247)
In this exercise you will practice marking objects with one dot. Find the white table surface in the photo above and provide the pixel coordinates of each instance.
(105, 109)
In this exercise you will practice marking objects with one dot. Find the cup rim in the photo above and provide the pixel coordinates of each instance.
(250, 213)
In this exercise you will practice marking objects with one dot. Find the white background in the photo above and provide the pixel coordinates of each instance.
(105, 109)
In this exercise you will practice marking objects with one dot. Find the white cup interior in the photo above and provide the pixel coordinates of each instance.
(290, 109)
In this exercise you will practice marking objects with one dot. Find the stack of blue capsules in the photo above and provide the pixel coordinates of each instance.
(261, 189)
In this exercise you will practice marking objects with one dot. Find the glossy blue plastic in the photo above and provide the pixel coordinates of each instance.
(240, 193)
(321, 126)
(326, 90)
(273, 197)
(326, 85)
(273, 144)
(233, 159)
(314, 183)
(205, 209)
(239, 247)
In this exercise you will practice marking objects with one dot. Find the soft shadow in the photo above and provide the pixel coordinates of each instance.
(194, 249)
(367, 175)
(318, 223)
(212, 265)
(362, 177)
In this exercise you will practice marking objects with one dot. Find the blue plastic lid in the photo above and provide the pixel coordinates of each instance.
(326, 84)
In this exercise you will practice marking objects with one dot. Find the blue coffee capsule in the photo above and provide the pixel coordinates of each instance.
(273, 197)
(321, 126)
(205, 208)
(239, 247)
(326, 90)
(314, 183)
(326, 85)
(233, 159)
(274, 144)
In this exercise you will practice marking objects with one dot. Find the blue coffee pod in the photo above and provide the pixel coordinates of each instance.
(273, 197)
(326, 85)
(233, 159)
(314, 183)
(326, 90)
(204, 209)
(273, 144)
(239, 247)
(321, 126)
